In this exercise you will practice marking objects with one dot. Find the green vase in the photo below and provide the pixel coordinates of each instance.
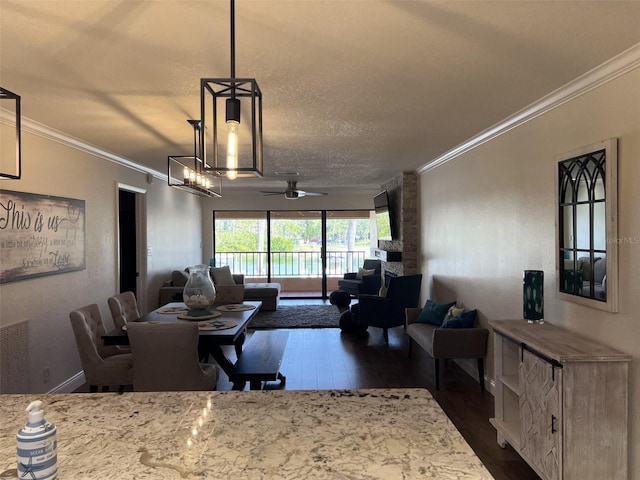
(533, 296)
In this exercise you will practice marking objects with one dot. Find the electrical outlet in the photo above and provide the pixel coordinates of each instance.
(46, 374)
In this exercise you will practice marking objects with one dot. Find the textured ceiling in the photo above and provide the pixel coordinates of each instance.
(354, 91)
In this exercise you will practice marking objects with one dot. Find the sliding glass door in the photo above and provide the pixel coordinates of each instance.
(240, 241)
(296, 252)
(307, 252)
(348, 243)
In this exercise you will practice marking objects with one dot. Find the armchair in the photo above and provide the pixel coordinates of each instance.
(366, 284)
(389, 311)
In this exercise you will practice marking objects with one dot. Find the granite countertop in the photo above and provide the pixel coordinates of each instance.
(329, 434)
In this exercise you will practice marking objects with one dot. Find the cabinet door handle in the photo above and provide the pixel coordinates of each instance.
(553, 424)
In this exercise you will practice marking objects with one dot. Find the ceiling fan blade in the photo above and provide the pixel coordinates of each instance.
(292, 192)
(315, 194)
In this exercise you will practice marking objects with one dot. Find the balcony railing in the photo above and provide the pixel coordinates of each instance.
(291, 264)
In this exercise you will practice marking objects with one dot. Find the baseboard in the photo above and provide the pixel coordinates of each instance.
(70, 385)
(470, 366)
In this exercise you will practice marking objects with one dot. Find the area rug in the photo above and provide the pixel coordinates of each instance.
(297, 316)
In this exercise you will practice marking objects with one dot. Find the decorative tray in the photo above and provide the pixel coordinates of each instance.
(172, 310)
(184, 316)
(217, 325)
(234, 307)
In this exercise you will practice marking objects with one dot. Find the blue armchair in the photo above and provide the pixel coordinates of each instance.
(367, 284)
(389, 311)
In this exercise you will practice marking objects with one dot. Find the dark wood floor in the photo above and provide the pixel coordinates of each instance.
(328, 359)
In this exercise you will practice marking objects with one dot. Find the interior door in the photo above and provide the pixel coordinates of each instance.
(128, 242)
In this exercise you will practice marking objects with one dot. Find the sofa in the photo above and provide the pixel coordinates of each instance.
(582, 277)
(267, 293)
(447, 343)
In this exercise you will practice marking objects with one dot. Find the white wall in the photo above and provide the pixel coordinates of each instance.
(489, 214)
(174, 235)
(174, 230)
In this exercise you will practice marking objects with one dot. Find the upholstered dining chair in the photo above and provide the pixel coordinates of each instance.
(103, 365)
(165, 358)
(124, 308)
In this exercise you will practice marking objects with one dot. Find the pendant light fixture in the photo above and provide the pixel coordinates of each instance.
(10, 133)
(238, 151)
(188, 173)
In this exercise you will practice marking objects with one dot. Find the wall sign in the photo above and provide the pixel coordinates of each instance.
(40, 235)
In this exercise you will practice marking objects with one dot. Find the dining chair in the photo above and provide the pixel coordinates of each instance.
(124, 308)
(103, 365)
(165, 358)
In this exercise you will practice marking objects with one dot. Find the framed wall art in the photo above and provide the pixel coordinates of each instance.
(41, 235)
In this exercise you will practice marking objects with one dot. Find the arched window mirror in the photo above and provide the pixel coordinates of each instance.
(587, 226)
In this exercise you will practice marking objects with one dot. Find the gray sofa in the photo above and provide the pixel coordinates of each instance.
(447, 342)
(267, 293)
(583, 275)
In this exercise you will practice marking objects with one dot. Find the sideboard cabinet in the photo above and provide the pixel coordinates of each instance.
(561, 401)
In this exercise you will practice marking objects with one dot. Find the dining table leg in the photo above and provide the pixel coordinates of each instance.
(206, 349)
(240, 342)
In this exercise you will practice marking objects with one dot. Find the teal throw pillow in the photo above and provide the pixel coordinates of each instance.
(464, 320)
(434, 313)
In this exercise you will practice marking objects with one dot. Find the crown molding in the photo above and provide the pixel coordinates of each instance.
(610, 70)
(35, 128)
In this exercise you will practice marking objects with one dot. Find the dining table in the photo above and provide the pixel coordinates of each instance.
(226, 324)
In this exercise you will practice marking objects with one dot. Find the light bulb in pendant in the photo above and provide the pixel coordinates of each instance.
(232, 150)
(233, 122)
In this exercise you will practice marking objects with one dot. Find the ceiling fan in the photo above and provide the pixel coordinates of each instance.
(292, 192)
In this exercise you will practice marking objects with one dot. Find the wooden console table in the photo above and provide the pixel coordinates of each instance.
(561, 401)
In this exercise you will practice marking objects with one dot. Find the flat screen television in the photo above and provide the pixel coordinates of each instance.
(384, 216)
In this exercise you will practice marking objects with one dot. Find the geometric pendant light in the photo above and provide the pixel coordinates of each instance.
(10, 133)
(231, 113)
(188, 173)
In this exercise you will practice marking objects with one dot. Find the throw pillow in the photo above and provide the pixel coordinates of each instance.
(453, 312)
(362, 272)
(464, 320)
(434, 313)
(222, 276)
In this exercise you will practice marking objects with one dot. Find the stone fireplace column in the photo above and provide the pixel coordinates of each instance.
(403, 198)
